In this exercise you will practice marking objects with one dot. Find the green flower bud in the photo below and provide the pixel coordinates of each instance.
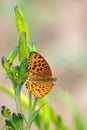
(34, 47)
(23, 50)
(5, 63)
(12, 54)
(3, 107)
(23, 67)
(16, 119)
(8, 125)
(21, 23)
(16, 70)
(6, 112)
(30, 49)
(9, 128)
(21, 117)
(7, 122)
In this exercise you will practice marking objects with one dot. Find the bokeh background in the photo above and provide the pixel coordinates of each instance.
(59, 28)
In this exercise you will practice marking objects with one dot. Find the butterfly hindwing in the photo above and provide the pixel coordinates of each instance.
(38, 88)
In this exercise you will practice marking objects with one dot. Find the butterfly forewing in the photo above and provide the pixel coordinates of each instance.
(38, 65)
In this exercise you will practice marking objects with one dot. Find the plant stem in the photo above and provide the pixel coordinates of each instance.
(34, 105)
(30, 105)
(17, 98)
(31, 109)
(30, 100)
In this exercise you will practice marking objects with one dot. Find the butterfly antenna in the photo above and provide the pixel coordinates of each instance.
(61, 84)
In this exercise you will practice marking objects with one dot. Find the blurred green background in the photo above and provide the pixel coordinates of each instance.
(59, 29)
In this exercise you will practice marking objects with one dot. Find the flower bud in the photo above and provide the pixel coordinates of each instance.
(6, 112)
(21, 23)
(8, 125)
(5, 63)
(23, 50)
(16, 119)
(12, 54)
(34, 47)
(23, 67)
(21, 117)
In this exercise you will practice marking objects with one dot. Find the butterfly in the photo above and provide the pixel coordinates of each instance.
(40, 76)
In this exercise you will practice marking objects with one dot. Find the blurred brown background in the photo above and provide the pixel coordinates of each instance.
(59, 28)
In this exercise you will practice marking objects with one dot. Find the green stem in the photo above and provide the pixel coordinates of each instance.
(31, 109)
(30, 100)
(17, 98)
(34, 105)
(30, 105)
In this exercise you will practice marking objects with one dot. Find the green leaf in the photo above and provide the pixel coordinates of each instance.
(78, 122)
(10, 91)
(36, 113)
(21, 23)
(47, 116)
(38, 120)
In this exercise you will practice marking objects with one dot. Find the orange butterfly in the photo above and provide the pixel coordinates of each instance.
(40, 76)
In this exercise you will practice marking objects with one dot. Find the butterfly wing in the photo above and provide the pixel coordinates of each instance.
(38, 65)
(38, 88)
